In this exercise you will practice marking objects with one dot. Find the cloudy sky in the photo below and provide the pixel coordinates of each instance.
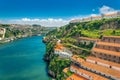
(52, 12)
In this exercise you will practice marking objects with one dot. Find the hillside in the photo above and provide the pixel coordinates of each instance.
(14, 31)
(78, 38)
(100, 27)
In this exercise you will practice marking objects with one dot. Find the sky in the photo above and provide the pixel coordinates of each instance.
(52, 12)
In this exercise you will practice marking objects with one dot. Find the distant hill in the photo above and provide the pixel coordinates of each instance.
(15, 30)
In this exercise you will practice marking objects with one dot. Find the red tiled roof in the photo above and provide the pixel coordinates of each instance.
(109, 44)
(87, 18)
(86, 38)
(102, 69)
(106, 51)
(65, 70)
(59, 47)
(111, 37)
(96, 17)
(76, 77)
(103, 61)
(110, 14)
(93, 75)
(76, 58)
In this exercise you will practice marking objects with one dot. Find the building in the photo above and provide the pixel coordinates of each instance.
(62, 51)
(99, 67)
(87, 40)
(87, 19)
(2, 33)
(75, 20)
(98, 17)
(108, 49)
(105, 63)
(87, 75)
(76, 77)
(112, 15)
(104, 60)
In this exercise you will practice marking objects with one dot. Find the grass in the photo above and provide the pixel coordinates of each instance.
(98, 33)
(69, 73)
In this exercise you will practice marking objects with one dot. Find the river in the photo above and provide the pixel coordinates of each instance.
(22, 60)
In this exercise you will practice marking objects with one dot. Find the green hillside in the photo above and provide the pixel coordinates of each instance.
(69, 36)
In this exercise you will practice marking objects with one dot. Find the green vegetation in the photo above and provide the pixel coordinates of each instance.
(69, 73)
(57, 65)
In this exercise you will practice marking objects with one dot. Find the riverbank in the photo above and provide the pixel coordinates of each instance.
(5, 40)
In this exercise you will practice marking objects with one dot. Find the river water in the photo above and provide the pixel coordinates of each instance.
(22, 60)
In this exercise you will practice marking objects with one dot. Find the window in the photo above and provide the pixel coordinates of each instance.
(114, 56)
(95, 62)
(110, 66)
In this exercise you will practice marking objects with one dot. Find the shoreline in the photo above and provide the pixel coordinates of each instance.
(10, 39)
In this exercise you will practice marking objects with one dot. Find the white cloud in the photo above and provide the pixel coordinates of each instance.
(106, 9)
(93, 15)
(50, 22)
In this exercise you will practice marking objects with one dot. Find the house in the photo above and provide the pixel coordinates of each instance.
(62, 51)
(108, 49)
(112, 15)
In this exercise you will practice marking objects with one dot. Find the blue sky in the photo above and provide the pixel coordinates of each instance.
(52, 9)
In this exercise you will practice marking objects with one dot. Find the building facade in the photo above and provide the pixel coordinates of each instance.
(62, 51)
(98, 17)
(104, 62)
(108, 49)
(2, 33)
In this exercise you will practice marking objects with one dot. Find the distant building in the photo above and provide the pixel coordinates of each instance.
(111, 15)
(87, 19)
(75, 20)
(2, 33)
(98, 17)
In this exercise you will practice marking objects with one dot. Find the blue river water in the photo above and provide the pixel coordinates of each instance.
(22, 60)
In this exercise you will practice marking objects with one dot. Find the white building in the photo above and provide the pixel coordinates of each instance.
(2, 33)
(63, 54)
(62, 51)
(98, 17)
